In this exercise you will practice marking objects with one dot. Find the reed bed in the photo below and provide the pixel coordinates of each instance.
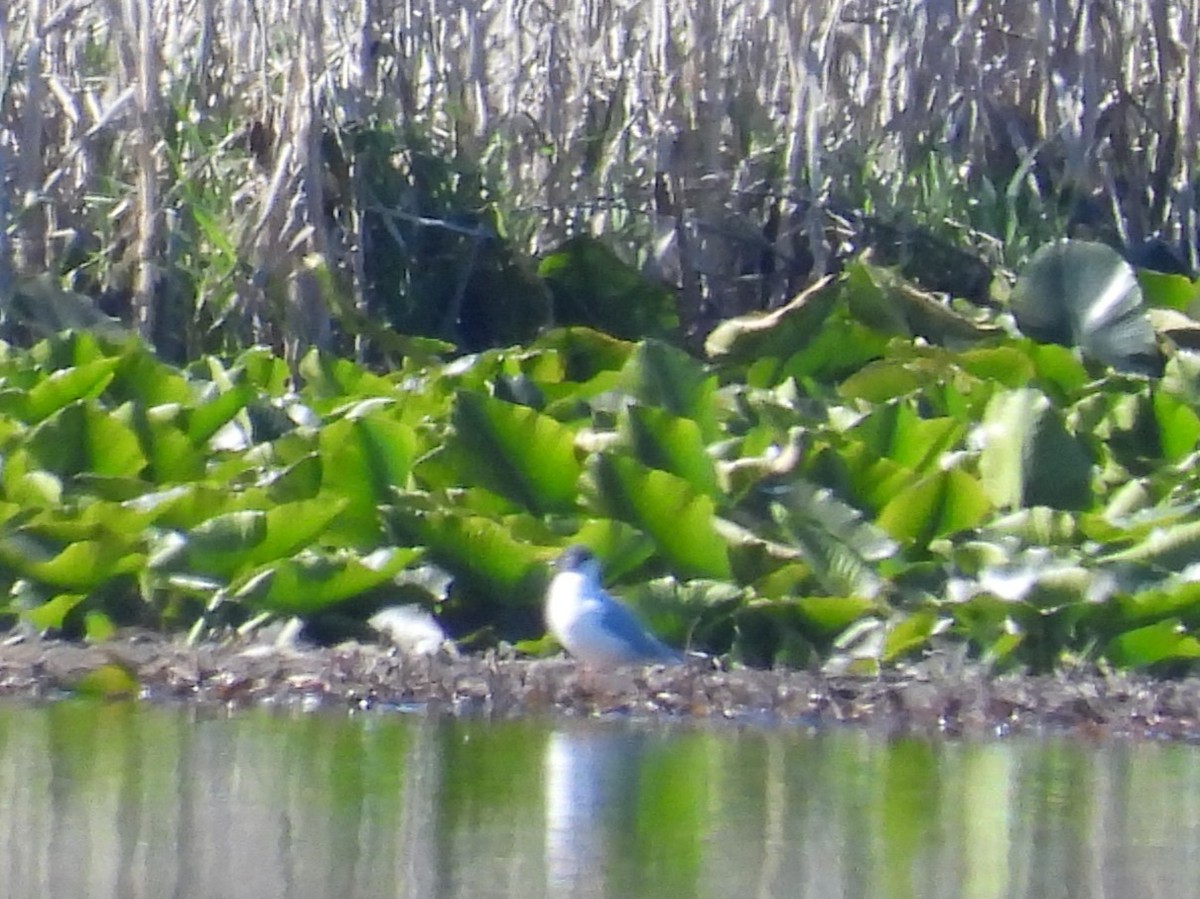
(191, 164)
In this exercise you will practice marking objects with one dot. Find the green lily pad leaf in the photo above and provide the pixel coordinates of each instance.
(885, 301)
(206, 419)
(485, 558)
(32, 488)
(1178, 426)
(50, 615)
(896, 431)
(171, 454)
(362, 459)
(586, 353)
(873, 481)
(944, 502)
(779, 333)
(1028, 458)
(679, 612)
(80, 566)
(1174, 601)
(98, 627)
(1170, 548)
(842, 347)
(313, 582)
(86, 439)
(148, 381)
(659, 374)
(1161, 642)
(667, 508)
(662, 440)
(1037, 525)
(300, 480)
(65, 386)
(830, 615)
(839, 546)
(328, 377)
(1040, 581)
(1166, 291)
(909, 633)
(883, 380)
(238, 541)
(264, 370)
(621, 546)
(119, 523)
(1005, 365)
(183, 507)
(511, 450)
(1080, 293)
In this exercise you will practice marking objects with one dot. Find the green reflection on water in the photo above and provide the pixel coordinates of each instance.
(124, 800)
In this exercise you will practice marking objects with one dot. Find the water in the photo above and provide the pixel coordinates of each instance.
(113, 800)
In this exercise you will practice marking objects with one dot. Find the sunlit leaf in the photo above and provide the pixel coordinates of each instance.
(1164, 641)
(362, 459)
(511, 450)
(776, 333)
(659, 374)
(896, 431)
(671, 443)
(84, 438)
(943, 502)
(1084, 294)
(238, 541)
(207, 418)
(481, 553)
(79, 566)
(1172, 547)
(833, 614)
(664, 506)
(65, 386)
(1167, 291)
(50, 615)
(110, 681)
(1028, 458)
(1178, 426)
(909, 633)
(839, 545)
(312, 582)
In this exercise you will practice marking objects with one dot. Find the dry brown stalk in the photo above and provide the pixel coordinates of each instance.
(771, 106)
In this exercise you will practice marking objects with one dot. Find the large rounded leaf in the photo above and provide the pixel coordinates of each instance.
(512, 450)
(312, 582)
(1084, 294)
(659, 374)
(1028, 458)
(362, 459)
(777, 333)
(674, 444)
(86, 438)
(940, 503)
(237, 541)
(483, 554)
(680, 520)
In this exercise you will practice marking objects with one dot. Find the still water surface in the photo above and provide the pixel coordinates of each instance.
(127, 801)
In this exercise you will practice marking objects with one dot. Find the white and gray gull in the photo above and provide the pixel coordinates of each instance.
(593, 626)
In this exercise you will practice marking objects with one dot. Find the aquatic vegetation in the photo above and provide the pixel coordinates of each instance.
(849, 479)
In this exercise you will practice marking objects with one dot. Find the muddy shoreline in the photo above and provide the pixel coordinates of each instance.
(932, 697)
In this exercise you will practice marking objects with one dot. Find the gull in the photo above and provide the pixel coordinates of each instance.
(593, 626)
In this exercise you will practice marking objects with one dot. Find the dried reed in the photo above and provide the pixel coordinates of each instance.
(694, 131)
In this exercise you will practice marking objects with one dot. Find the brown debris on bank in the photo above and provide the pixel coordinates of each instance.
(924, 698)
